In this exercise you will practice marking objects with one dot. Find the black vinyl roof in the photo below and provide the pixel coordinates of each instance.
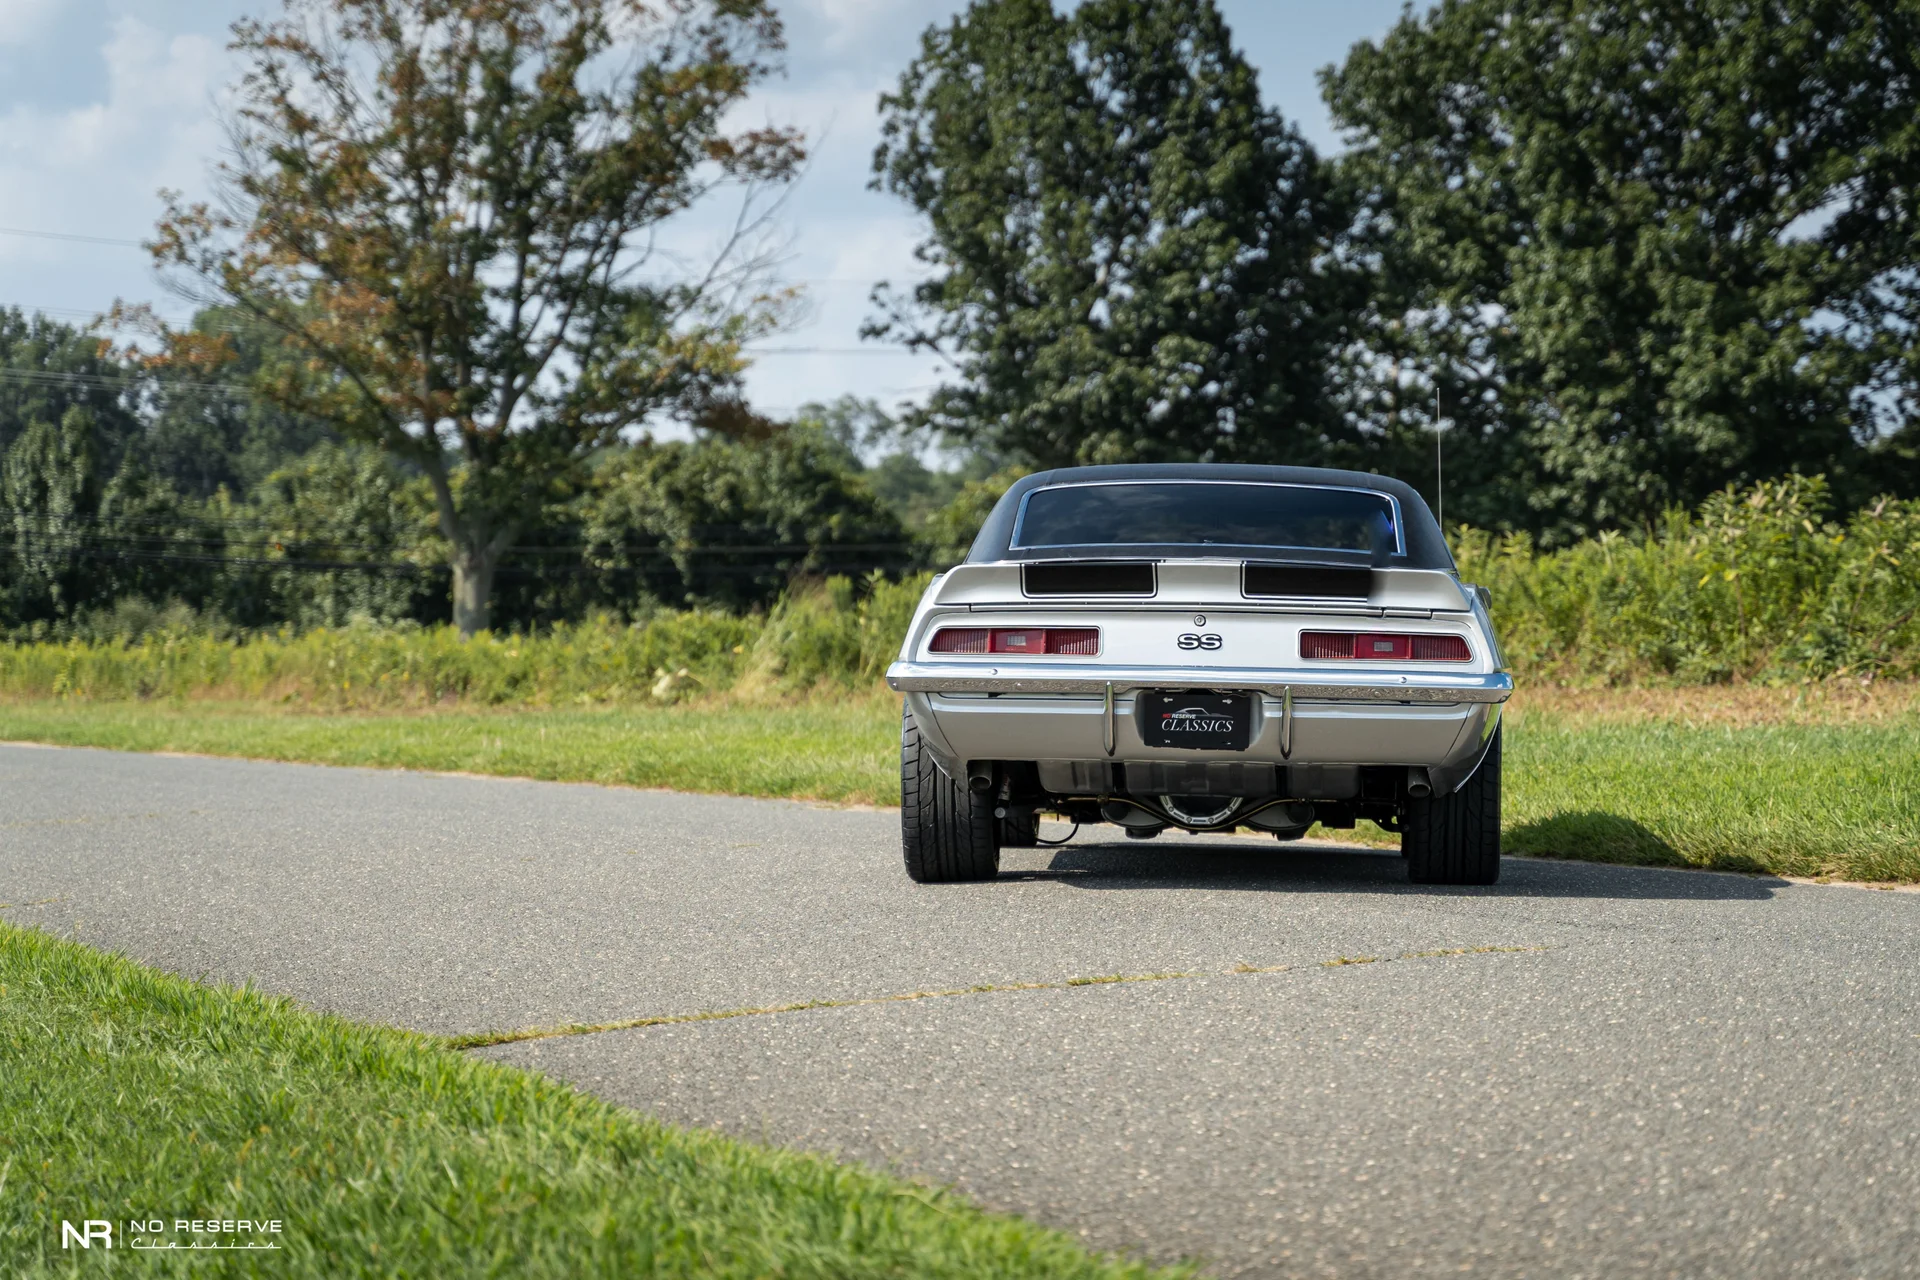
(1425, 547)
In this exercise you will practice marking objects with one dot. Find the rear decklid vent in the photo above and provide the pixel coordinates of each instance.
(1088, 578)
(1321, 581)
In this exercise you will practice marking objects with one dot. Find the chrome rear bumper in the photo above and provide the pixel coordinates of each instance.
(1063, 712)
(1322, 685)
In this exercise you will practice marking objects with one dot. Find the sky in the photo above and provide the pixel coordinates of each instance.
(105, 102)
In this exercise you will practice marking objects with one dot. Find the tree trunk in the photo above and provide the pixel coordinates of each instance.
(473, 588)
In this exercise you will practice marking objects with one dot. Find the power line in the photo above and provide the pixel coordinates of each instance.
(90, 534)
(63, 235)
(821, 562)
(91, 313)
(112, 382)
(888, 349)
(869, 282)
(871, 349)
(34, 234)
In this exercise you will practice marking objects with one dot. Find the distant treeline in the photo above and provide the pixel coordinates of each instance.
(1756, 586)
(132, 499)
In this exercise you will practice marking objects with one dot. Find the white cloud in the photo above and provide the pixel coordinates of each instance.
(94, 169)
(845, 23)
(22, 20)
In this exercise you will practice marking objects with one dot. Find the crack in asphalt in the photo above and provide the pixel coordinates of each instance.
(487, 1039)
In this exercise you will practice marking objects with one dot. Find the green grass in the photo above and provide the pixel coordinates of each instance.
(843, 749)
(1839, 800)
(1838, 796)
(129, 1093)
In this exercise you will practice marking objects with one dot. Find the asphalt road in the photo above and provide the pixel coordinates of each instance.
(1679, 1074)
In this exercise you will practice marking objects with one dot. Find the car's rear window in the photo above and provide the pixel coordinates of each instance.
(1208, 513)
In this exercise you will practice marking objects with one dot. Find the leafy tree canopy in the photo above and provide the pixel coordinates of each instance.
(48, 368)
(1121, 238)
(214, 422)
(1646, 250)
(338, 535)
(889, 454)
(76, 535)
(730, 523)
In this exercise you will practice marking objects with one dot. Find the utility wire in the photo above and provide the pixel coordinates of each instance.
(113, 381)
(64, 235)
(141, 244)
(57, 543)
(408, 568)
(704, 533)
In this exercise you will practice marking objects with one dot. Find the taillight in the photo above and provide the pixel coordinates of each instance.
(1083, 641)
(1375, 646)
(1325, 645)
(960, 640)
(1063, 641)
(1441, 649)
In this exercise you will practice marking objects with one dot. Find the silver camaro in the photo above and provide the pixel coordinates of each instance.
(1204, 647)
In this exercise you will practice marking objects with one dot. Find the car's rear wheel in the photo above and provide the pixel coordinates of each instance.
(1020, 829)
(947, 831)
(1455, 839)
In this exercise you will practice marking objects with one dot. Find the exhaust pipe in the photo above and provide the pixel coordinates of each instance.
(1419, 785)
(980, 776)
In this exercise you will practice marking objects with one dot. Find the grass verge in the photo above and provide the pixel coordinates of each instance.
(841, 749)
(1802, 781)
(1839, 801)
(127, 1093)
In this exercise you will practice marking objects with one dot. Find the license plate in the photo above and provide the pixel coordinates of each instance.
(1198, 721)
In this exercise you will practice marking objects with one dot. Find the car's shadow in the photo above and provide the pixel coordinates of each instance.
(1177, 862)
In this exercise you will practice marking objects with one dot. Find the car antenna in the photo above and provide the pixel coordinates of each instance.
(1439, 476)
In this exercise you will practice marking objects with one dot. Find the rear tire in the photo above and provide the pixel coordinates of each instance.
(1456, 839)
(947, 831)
(1020, 829)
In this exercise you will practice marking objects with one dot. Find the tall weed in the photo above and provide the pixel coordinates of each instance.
(1757, 585)
(835, 632)
(596, 661)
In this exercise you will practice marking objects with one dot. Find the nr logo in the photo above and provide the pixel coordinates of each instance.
(1194, 640)
(86, 1233)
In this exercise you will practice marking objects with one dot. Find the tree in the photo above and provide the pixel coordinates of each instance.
(51, 483)
(1123, 239)
(48, 368)
(1647, 250)
(450, 207)
(899, 477)
(731, 523)
(949, 532)
(338, 534)
(209, 427)
(81, 537)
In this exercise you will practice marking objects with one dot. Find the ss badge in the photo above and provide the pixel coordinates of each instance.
(1191, 640)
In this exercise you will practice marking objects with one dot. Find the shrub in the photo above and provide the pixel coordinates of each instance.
(596, 661)
(1756, 585)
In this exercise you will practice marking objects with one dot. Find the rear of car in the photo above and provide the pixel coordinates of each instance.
(1205, 648)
